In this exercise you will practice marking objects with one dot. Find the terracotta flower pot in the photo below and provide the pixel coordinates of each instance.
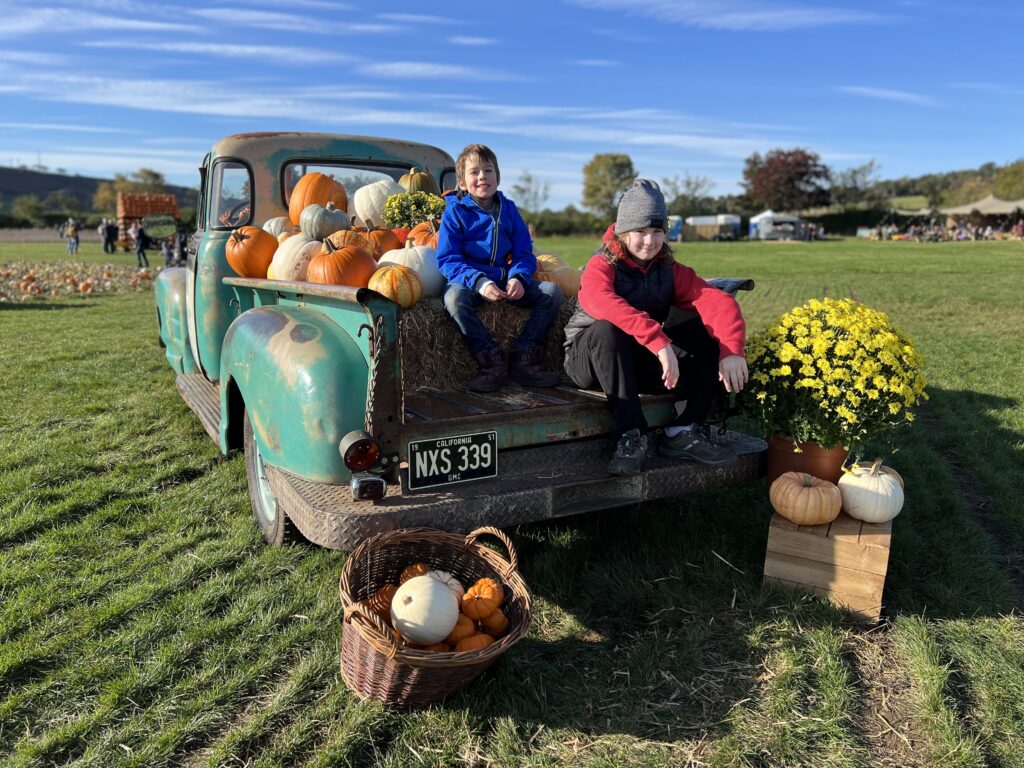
(824, 463)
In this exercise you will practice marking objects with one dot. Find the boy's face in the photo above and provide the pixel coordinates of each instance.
(481, 179)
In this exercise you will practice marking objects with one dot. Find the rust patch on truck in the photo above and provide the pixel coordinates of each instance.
(296, 348)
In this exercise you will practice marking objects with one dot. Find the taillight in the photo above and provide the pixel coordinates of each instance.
(359, 451)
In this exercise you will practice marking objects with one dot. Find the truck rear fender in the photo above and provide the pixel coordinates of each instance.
(171, 318)
(302, 378)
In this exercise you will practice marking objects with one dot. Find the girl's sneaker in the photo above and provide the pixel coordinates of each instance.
(629, 454)
(694, 445)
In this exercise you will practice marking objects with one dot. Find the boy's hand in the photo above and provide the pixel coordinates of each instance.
(669, 366)
(732, 371)
(492, 292)
(514, 289)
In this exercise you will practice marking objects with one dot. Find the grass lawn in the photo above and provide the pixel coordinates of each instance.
(143, 623)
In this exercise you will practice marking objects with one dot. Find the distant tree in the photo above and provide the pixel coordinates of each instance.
(530, 193)
(1008, 183)
(689, 194)
(968, 192)
(855, 185)
(104, 200)
(605, 178)
(147, 181)
(787, 180)
(28, 207)
(61, 200)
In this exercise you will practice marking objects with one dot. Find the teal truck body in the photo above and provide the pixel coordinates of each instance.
(307, 380)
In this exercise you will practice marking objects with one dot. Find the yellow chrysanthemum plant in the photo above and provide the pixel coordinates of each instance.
(833, 371)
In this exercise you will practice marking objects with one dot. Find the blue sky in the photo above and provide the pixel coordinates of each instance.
(104, 86)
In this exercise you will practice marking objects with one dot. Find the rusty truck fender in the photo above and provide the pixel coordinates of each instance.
(172, 320)
(302, 378)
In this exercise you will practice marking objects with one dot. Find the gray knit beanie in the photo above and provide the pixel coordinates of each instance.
(642, 205)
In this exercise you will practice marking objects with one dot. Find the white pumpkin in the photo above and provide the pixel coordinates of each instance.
(423, 260)
(319, 221)
(424, 610)
(451, 582)
(292, 257)
(368, 201)
(871, 492)
(279, 224)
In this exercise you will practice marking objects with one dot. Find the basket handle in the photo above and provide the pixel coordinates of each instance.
(513, 558)
(355, 612)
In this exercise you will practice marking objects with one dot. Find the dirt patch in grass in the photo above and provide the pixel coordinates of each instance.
(884, 715)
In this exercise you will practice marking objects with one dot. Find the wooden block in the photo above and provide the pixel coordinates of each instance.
(846, 560)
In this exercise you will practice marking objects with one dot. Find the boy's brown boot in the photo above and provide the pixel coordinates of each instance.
(525, 369)
(493, 371)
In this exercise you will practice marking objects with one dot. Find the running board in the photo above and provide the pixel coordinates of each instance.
(203, 397)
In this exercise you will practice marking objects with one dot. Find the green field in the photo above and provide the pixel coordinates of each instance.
(142, 622)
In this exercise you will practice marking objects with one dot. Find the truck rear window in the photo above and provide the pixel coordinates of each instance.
(351, 177)
(230, 195)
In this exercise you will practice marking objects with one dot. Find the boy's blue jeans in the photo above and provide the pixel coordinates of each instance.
(543, 298)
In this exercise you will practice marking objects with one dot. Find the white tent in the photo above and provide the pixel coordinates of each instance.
(987, 206)
(769, 225)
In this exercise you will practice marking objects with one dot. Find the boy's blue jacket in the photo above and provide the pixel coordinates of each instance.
(469, 249)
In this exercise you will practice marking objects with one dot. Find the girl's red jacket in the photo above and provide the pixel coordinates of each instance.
(719, 311)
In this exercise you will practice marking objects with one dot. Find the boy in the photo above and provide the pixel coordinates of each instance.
(485, 252)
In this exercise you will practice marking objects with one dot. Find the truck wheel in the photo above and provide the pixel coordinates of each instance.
(274, 525)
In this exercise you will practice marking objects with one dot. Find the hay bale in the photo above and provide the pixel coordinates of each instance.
(434, 354)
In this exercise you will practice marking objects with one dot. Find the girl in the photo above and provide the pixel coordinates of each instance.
(618, 341)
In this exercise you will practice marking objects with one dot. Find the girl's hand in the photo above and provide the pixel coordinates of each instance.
(732, 371)
(669, 366)
(493, 293)
(514, 289)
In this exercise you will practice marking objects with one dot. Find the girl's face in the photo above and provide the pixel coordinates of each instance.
(481, 179)
(645, 244)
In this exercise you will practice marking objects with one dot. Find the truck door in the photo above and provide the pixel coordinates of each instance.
(193, 251)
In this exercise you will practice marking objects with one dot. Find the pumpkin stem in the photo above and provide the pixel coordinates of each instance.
(329, 245)
(808, 481)
(875, 466)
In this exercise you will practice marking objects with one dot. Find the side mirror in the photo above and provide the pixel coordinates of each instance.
(160, 226)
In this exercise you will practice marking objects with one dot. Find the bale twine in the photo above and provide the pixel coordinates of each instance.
(435, 355)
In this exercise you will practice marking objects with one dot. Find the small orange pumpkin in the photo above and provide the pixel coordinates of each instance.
(412, 571)
(341, 266)
(474, 643)
(482, 599)
(464, 627)
(424, 233)
(383, 240)
(250, 250)
(805, 499)
(400, 284)
(496, 624)
(402, 233)
(436, 647)
(316, 188)
(380, 602)
(344, 237)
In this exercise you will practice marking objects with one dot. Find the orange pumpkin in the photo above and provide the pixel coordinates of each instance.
(482, 599)
(475, 643)
(464, 627)
(341, 266)
(346, 237)
(316, 188)
(436, 647)
(400, 284)
(805, 499)
(424, 234)
(496, 624)
(380, 602)
(402, 233)
(250, 250)
(383, 240)
(412, 571)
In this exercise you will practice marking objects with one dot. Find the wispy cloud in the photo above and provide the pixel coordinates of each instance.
(887, 94)
(735, 15)
(281, 54)
(469, 40)
(415, 18)
(423, 70)
(61, 127)
(32, 57)
(20, 22)
(595, 63)
(247, 17)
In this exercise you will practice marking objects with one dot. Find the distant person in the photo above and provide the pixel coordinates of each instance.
(140, 247)
(106, 233)
(71, 235)
(166, 253)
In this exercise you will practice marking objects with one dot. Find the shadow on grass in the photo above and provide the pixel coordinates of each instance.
(8, 306)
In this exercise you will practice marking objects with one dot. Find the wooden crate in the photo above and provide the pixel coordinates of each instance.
(845, 560)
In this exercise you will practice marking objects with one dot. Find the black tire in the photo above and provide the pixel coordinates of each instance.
(275, 527)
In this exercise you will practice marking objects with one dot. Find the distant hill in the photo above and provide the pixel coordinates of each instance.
(19, 181)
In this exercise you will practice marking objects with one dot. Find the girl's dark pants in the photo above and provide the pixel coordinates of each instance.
(609, 359)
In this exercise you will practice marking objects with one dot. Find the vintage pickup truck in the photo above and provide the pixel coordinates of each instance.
(341, 442)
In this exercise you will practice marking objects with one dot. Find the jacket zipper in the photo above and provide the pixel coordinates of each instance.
(497, 228)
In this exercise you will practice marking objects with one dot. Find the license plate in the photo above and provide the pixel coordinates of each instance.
(448, 460)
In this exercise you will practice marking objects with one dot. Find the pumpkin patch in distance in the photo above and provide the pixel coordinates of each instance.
(316, 188)
(249, 251)
(341, 266)
(400, 284)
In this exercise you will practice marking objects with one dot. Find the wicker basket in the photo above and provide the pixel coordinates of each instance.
(373, 663)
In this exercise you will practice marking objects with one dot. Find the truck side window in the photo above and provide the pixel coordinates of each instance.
(230, 195)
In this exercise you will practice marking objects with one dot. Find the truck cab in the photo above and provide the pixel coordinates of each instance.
(343, 435)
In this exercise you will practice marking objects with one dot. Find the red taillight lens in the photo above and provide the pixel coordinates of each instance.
(359, 451)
